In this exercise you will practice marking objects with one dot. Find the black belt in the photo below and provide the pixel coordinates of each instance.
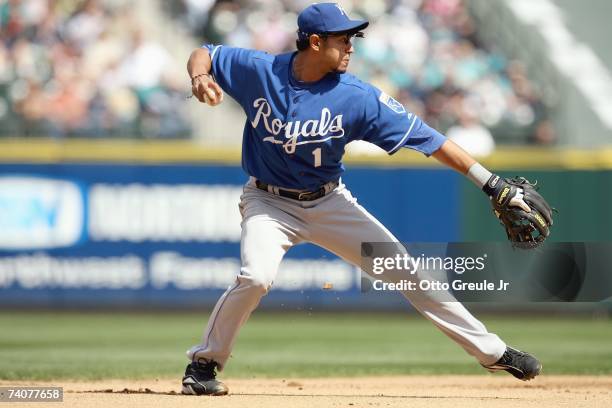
(298, 195)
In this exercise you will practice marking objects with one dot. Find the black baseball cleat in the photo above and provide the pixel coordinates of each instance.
(200, 379)
(522, 365)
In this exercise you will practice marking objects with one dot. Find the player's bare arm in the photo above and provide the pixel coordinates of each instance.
(203, 86)
(512, 200)
(454, 157)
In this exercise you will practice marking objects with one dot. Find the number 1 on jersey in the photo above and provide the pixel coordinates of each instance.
(317, 157)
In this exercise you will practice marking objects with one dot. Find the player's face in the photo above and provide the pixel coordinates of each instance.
(337, 50)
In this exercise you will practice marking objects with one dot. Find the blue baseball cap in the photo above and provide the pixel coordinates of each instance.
(327, 18)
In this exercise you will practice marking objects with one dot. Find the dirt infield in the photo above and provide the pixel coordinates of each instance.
(413, 391)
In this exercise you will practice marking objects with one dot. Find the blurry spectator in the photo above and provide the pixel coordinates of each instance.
(529, 108)
(85, 26)
(471, 135)
(33, 107)
(422, 52)
(197, 12)
(67, 106)
(90, 55)
(276, 36)
(65, 71)
(360, 147)
(193, 14)
(145, 65)
(146, 70)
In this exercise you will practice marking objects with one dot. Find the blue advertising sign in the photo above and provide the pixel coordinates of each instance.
(93, 235)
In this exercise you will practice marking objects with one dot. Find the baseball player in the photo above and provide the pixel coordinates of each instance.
(302, 109)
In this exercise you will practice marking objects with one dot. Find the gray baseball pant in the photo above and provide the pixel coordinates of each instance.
(272, 224)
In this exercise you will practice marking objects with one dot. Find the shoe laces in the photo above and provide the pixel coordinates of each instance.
(514, 357)
(206, 367)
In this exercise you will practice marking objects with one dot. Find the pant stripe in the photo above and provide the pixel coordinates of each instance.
(212, 325)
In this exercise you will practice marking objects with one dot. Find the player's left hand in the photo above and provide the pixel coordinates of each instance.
(523, 212)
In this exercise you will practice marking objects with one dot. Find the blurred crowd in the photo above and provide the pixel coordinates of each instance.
(84, 68)
(425, 53)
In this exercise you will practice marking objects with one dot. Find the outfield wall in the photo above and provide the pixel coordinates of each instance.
(168, 235)
(158, 229)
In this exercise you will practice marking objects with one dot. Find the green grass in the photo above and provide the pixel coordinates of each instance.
(45, 346)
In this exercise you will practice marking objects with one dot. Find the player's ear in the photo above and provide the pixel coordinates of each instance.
(315, 42)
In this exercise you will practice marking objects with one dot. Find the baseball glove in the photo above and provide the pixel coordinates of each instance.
(522, 211)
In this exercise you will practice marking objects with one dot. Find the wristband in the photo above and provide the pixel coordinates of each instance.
(479, 175)
(199, 75)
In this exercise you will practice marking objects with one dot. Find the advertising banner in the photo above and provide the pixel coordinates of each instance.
(93, 235)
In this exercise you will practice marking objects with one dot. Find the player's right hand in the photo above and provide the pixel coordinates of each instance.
(207, 90)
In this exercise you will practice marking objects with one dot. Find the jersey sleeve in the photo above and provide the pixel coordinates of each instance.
(232, 68)
(388, 125)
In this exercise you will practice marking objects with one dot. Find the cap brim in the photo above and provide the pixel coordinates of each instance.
(350, 26)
